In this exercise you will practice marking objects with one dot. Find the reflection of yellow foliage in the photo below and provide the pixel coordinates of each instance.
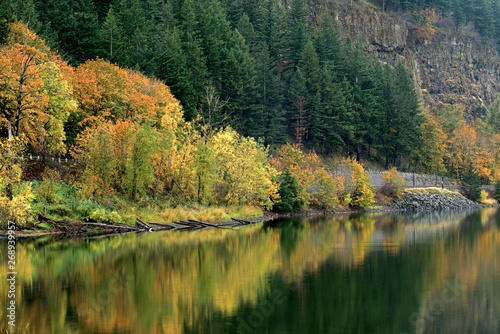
(164, 282)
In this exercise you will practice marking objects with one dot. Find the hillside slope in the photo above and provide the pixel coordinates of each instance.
(449, 68)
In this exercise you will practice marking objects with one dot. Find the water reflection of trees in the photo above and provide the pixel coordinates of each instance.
(339, 268)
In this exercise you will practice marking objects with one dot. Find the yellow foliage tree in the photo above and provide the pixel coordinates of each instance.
(356, 189)
(36, 98)
(242, 173)
(462, 147)
(15, 196)
(394, 185)
(318, 186)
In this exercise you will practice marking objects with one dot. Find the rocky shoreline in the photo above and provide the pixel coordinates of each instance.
(434, 201)
(427, 200)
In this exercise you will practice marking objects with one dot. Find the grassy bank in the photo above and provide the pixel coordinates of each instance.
(61, 201)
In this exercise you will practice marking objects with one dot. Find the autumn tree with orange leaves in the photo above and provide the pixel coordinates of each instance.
(35, 97)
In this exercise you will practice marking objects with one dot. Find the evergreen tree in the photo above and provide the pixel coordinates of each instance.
(5, 18)
(245, 28)
(336, 117)
(290, 193)
(493, 116)
(297, 30)
(458, 13)
(183, 69)
(310, 69)
(328, 42)
(366, 100)
(484, 20)
(110, 37)
(402, 120)
(273, 31)
(268, 119)
(133, 24)
(470, 183)
(238, 83)
(26, 11)
(497, 192)
(77, 29)
(298, 114)
(496, 16)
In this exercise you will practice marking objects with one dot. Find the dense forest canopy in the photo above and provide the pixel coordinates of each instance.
(185, 100)
(263, 67)
(266, 70)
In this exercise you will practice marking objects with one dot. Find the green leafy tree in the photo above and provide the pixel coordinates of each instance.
(139, 173)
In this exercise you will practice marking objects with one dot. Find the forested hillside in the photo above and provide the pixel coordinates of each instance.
(180, 99)
(274, 74)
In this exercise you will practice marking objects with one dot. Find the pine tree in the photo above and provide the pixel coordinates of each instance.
(133, 24)
(470, 183)
(268, 119)
(310, 69)
(297, 106)
(274, 30)
(238, 74)
(110, 37)
(328, 41)
(296, 30)
(183, 70)
(497, 192)
(458, 13)
(26, 11)
(366, 99)
(290, 193)
(484, 19)
(77, 27)
(5, 17)
(402, 125)
(411, 119)
(336, 117)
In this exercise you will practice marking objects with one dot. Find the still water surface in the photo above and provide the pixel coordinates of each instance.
(377, 273)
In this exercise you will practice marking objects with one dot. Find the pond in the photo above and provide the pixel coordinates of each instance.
(373, 273)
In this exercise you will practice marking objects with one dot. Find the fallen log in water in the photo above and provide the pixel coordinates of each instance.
(161, 227)
(82, 228)
(223, 226)
(244, 222)
(111, 226)
(143, 225)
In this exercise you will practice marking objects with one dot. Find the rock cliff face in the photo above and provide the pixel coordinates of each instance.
(452, 67)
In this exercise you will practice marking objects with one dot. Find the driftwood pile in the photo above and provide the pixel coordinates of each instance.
(140, 226)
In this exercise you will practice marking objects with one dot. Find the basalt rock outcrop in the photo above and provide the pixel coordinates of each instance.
(454, 66)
